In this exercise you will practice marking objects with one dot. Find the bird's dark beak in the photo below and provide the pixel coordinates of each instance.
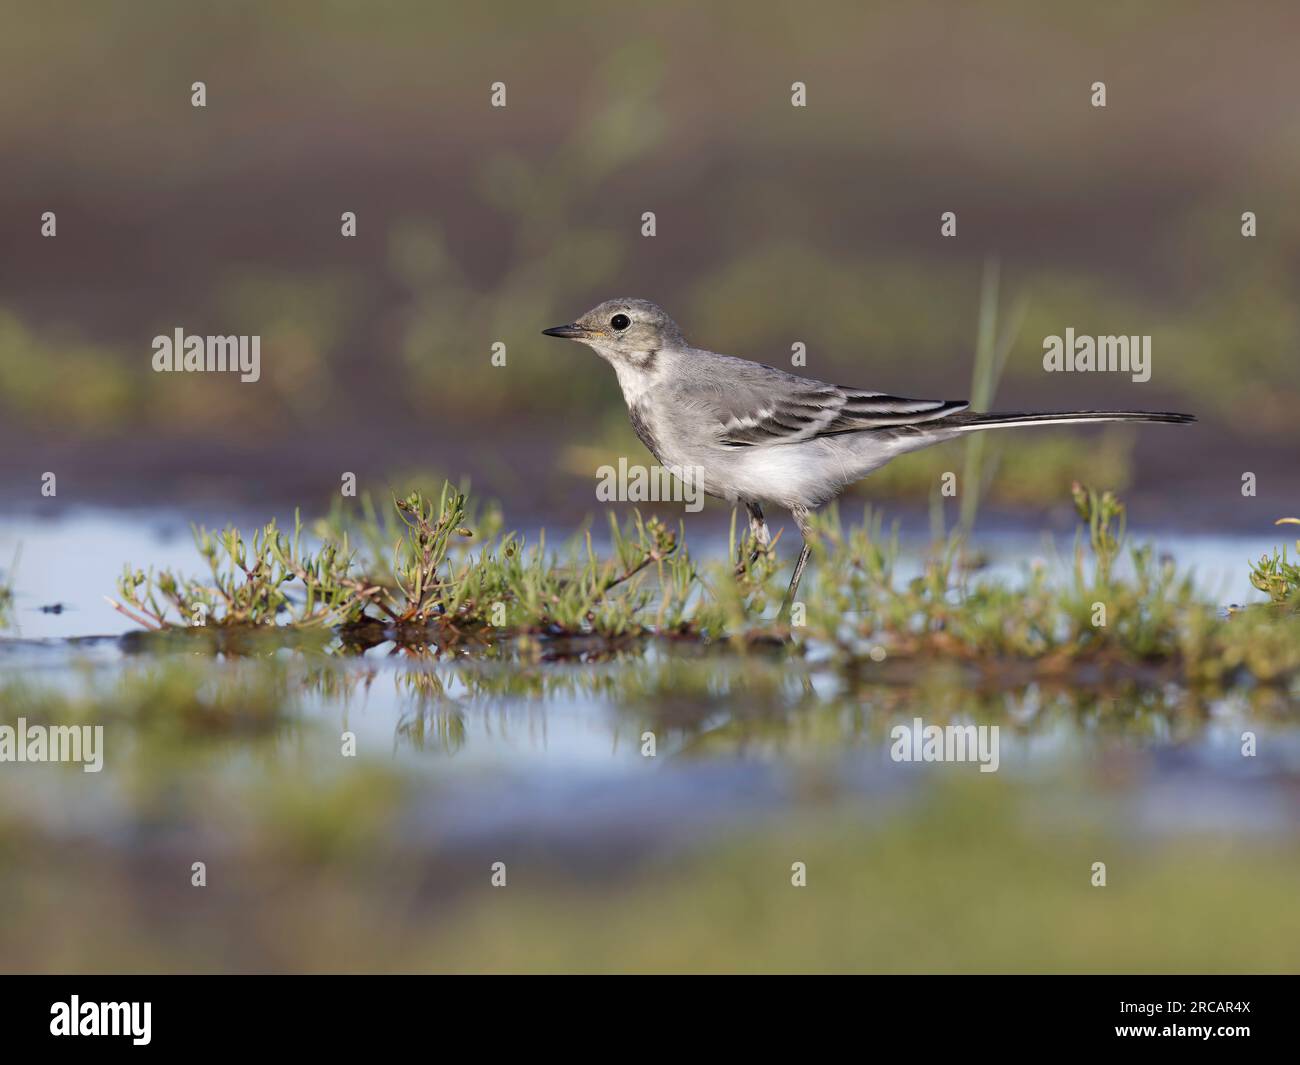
(568, 332)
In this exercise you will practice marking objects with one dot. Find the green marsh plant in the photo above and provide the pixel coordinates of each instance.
(1277, 575)
(441, 581)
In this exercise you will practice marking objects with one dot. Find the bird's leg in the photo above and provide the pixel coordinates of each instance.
(805, 529)
(758, 528)
(794, 579)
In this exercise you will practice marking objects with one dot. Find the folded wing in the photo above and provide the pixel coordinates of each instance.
(805, 410)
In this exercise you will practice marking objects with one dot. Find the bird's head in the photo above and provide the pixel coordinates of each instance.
(625, 329)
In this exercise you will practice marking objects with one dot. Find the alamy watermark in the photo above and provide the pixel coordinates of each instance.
(180, 353)
(53, 743)
(1109, 354)
(919, 742)
(631, 483)
(75, 1017)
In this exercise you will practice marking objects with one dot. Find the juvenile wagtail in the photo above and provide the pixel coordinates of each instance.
(760, 435)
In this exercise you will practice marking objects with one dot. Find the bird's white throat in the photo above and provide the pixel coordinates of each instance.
(637, 371)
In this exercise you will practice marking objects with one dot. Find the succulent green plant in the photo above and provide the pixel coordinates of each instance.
(434, 574)
(1277, 575)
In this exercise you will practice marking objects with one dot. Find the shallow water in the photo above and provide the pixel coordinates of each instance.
(464, 761)
(74, 561)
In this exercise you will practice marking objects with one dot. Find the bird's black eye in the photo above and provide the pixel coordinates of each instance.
(620, 322)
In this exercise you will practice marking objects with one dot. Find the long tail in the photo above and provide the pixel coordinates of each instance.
(968, 421)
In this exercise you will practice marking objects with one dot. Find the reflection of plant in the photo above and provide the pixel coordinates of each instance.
(7, 589)
(178, 697)
(1276, 575)
(435, 722)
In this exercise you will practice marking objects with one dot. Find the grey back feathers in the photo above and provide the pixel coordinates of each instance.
(756, 405)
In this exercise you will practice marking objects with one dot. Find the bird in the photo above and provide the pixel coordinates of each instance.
(756, 435)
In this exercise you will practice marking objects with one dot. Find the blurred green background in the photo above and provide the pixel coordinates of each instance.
(776, 224)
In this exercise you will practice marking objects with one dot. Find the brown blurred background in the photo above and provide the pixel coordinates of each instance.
(775, 224)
